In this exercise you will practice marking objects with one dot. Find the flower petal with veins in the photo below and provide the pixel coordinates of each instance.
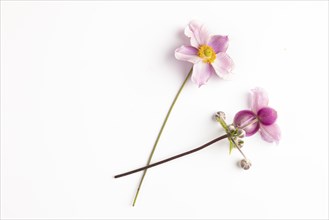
(270, 133)
(258, 99)
(223, 65)
(219, 43)
(187, 53)
(245, 119)
(198, 33)
(201, 73)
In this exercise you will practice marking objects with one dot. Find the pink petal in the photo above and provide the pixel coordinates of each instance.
(223, 65)
(201, 73)
(245, 119)
(219, 43)
(270, 133)
(258, 99)
(187, 53)
(198, 33)
(267, 115)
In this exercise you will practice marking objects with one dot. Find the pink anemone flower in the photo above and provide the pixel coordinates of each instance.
(207, 53)
(260, 117)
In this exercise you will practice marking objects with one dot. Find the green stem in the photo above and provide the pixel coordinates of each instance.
(159, 134)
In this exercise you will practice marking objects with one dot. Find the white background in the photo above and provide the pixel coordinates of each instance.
(85, 87)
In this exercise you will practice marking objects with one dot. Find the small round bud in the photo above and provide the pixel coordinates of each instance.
(245, 164)
(240, 143)
(241, 133)
(231, 128)
(220, 115)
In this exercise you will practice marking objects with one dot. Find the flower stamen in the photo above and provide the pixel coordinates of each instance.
(207, 54)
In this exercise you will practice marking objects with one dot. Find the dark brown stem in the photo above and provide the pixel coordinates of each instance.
(174, 157)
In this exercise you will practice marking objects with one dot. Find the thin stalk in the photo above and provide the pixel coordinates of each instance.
(243, 127)
(238, 147)
(159, 134)
(174, 157)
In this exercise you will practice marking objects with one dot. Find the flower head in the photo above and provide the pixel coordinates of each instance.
(207, 53)
(260, 117)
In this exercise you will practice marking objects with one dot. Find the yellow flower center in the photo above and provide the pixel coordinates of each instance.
(207, 54)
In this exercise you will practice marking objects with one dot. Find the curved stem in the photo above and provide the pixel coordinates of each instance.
(174, 157)
(159, 134)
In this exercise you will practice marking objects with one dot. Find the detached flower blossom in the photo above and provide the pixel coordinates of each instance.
(207, 53)
(260, 117)
(246, 123)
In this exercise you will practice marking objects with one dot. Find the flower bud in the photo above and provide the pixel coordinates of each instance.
(240, 143)
(241, 133)
(220, 114)
(231, 128)
(245, 164)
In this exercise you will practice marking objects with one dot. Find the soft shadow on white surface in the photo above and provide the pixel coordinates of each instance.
(85, 87)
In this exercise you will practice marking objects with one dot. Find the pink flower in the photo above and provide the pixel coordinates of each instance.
(207, 53)
(260, 117)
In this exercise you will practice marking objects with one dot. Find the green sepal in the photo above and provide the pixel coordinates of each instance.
(232, 145)
(222, 123)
